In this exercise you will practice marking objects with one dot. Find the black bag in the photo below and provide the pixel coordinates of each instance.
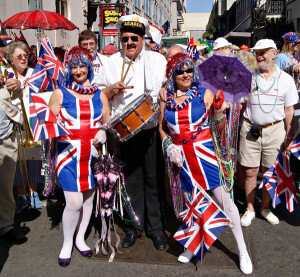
(256, 130)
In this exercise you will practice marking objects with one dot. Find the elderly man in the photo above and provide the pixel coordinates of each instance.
(263, 133)
(140, 153)
(174, 49)
(87, 39)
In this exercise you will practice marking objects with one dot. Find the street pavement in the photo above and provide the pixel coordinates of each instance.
(274, 250)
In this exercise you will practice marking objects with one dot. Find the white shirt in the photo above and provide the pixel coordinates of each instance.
(146, 74)
(282, 94)
(99, 75)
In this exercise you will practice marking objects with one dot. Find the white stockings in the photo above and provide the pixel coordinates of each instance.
(77, 213)
(224, 201)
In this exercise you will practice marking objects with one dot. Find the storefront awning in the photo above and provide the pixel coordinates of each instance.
(238, 34)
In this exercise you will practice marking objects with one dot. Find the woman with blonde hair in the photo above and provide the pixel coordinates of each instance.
(286, 59)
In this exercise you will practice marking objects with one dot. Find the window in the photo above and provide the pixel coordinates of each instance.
(32, 5)
(62, 7)
(137, 3)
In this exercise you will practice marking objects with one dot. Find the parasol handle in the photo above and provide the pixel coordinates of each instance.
(104, 149)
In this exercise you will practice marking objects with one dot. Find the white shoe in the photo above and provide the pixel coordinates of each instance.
(245, 263)
(186, 256)
(269, 216)
(247, 218)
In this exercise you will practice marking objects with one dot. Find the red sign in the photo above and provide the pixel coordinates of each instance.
(110, 17)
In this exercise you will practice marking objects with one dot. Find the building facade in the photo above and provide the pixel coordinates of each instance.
(293, 14)
(177, 8)
(85, 15)
(74, 10)
(157, 12)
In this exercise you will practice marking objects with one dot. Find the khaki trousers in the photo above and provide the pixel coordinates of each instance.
(8, 155)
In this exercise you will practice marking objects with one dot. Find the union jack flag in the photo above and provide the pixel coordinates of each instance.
(47, 74)
(192, 52)
(279, 182)
(295, 148)
(193, 208)
(206, 228)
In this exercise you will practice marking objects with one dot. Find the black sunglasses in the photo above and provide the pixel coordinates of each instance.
(133, 38)
(180, 71)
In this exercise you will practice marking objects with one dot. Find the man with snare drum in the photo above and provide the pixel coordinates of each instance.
(141, 72)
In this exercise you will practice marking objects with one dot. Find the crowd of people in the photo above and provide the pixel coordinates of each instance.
(95, 90)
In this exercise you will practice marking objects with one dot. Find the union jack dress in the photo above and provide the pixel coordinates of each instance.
(83, 119)
(189, 129)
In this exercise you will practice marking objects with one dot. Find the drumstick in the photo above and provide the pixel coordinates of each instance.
(119, 87)
(125, 50)
(122, 80)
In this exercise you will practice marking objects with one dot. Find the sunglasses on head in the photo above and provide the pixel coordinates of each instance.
(133, 38)
(21, 56)
(180, 71)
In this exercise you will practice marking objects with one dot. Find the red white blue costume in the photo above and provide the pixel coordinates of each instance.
(189, 129)
(83, 119)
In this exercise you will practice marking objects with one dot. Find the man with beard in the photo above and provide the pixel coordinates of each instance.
(262, 133)
(87, 39)
(140, 153)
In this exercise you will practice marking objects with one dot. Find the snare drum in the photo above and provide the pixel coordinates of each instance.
(136, 116)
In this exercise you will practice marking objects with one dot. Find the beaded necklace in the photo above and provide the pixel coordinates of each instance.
(82, 90)
(177, 107)
(260, 90)
(225, 145)
(171, 106)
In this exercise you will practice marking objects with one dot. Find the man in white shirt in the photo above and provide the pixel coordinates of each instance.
(262, 133)
(87, 39)
(140, 153)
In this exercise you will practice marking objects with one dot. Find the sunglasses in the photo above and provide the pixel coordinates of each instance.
(180, 72)
(21, 56)
(133, 38)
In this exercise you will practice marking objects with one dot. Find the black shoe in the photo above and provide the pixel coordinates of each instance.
(160, 243)
(13, 237)
(129, 240)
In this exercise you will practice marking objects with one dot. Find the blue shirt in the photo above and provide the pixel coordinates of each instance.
(282, 60)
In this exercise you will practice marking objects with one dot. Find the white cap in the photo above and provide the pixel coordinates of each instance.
(264, 44)
(133, 22)
(221, 42)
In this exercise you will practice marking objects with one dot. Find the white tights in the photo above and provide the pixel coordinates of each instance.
(77, 213)
(222, 198)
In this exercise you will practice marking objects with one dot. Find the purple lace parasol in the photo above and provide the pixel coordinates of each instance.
(226, 73)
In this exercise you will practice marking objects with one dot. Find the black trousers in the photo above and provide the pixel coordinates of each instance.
(141, 155)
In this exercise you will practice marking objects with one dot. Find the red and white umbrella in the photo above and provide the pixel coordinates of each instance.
(38, 19)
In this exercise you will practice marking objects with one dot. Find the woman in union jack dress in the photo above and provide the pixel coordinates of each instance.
(187, 142)
(82, 108)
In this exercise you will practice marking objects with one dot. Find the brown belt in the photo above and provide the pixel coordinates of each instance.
(263, 126)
